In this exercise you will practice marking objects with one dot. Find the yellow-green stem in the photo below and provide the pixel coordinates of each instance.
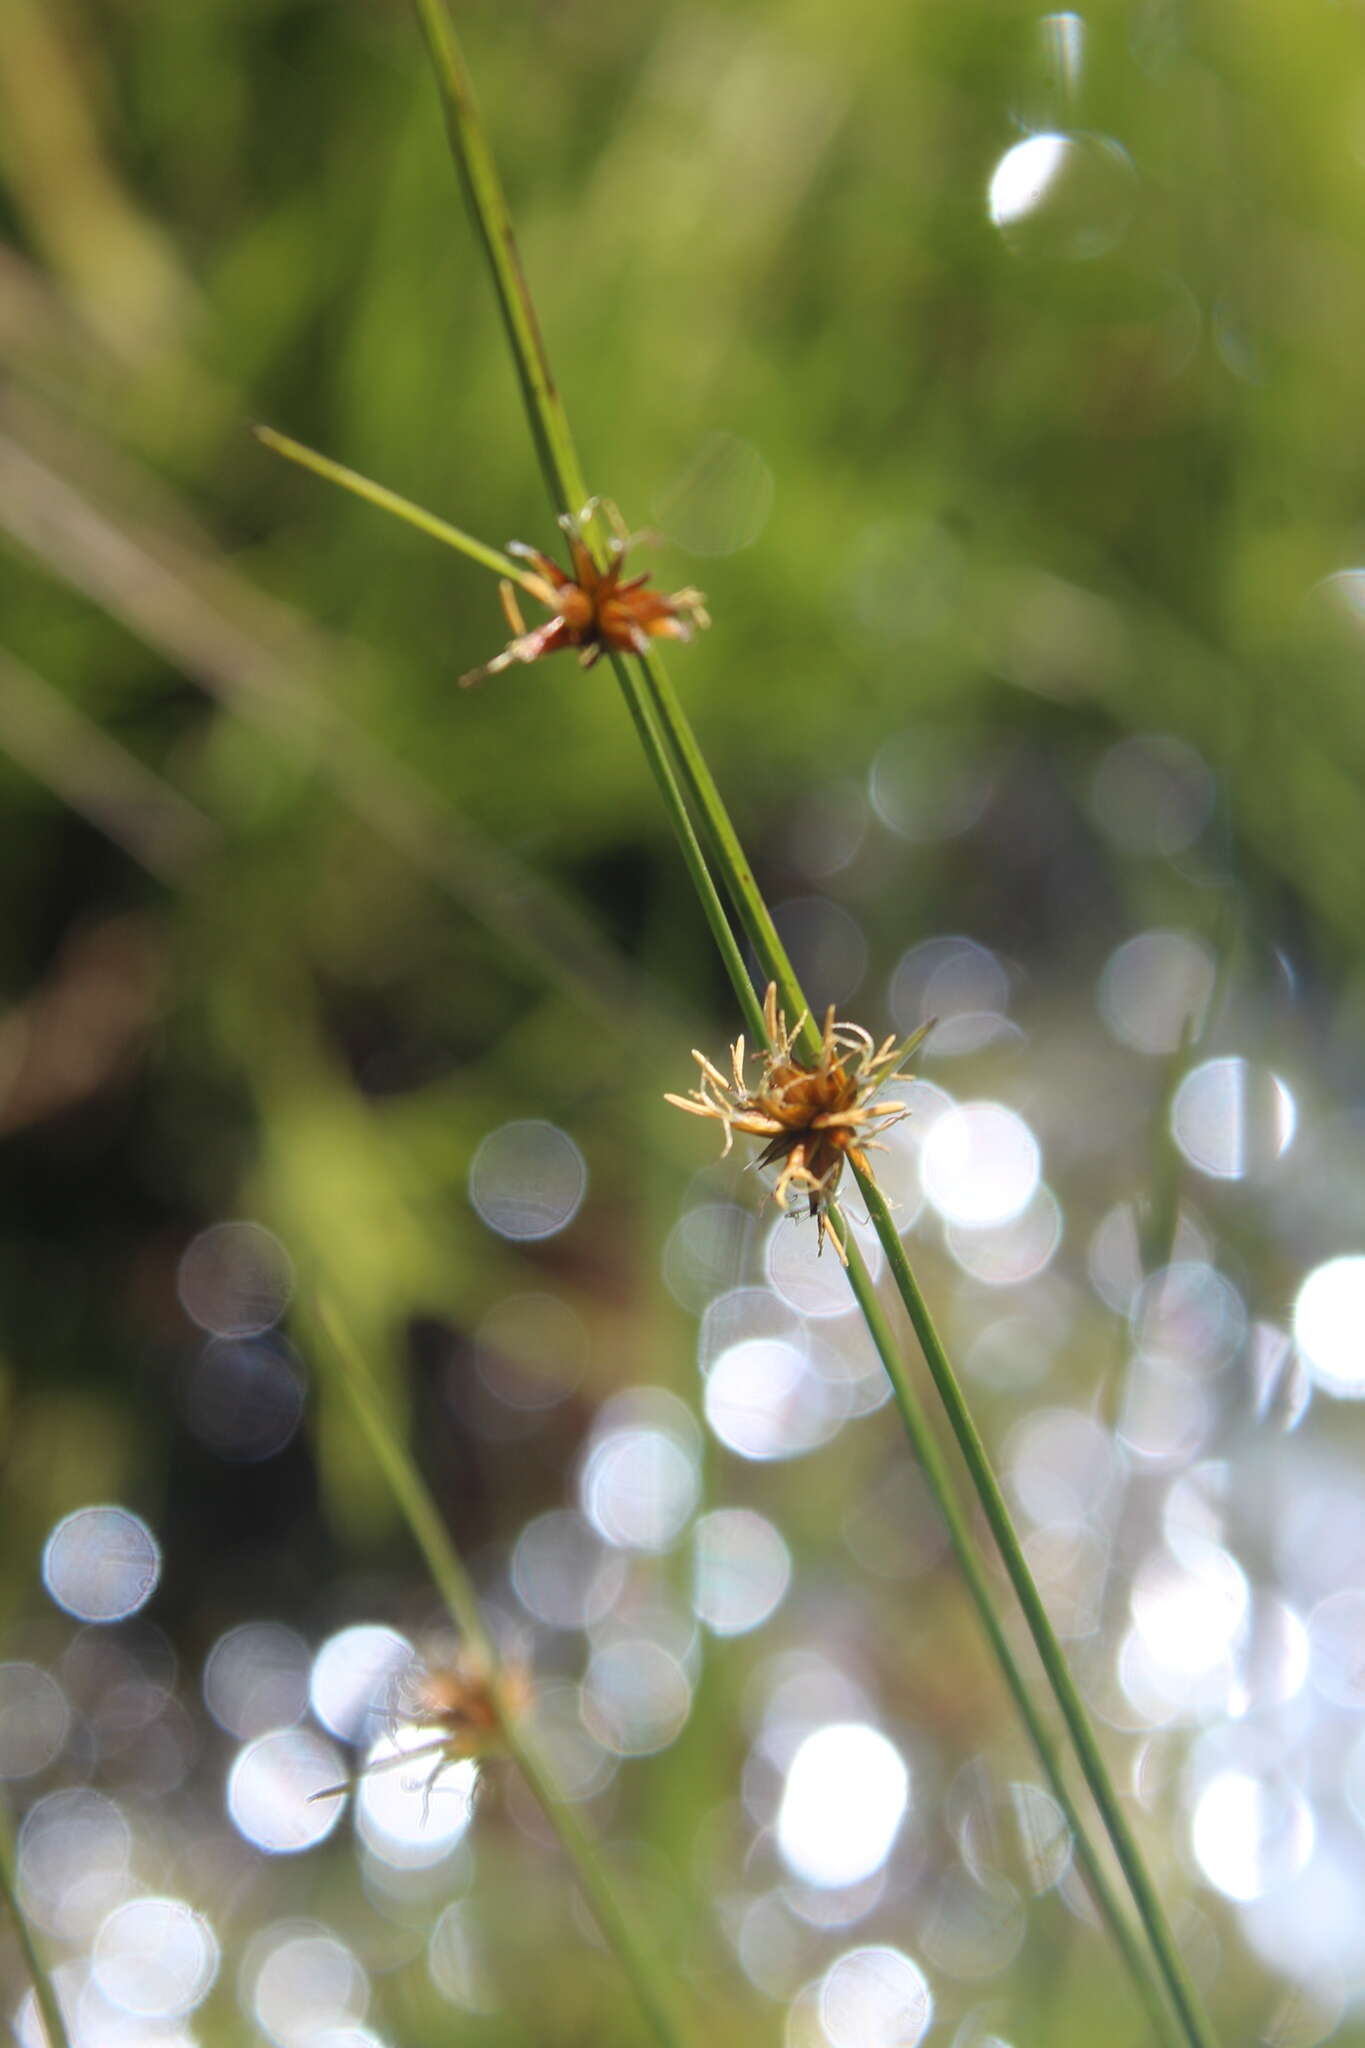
(1078, 1723)
(972, 1565)
(646, 723)
(647, 1975)
(401, 508)
(664, 715)
(720, 836)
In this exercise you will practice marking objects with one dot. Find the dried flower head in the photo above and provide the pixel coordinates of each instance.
(813, 1117)
(595, 611)
(447, 1712)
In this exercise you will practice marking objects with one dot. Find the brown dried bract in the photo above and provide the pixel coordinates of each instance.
(813, 1116)
(460, 1698)
(458, 1709)
(595, 611)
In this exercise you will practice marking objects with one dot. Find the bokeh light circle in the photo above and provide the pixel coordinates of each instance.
(980, 1165)
(354, 1676)
(1251, 1836)
(1155, 988)
(929, 784)
(636, 1696)
(741, 1570)
(973, 1930)
(958, 985)
(74, 1851)
(273, 1790)
(244, 1397)
(413, 1801)
(764, 1399)
(639, 1487)
(1231, 1119)
(1067, 197)
(101, 1564)
(807, 1277)
(563, 1573)
(235, 1279)
(843, 1801)
(1329, 1326)
(527, 1180)
(297, 1980)
(256, 1678)
(1008, 1254)
(875, 1998)
(155, 1957)
(1152, 794)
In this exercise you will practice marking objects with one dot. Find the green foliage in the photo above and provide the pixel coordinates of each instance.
(1005, 496)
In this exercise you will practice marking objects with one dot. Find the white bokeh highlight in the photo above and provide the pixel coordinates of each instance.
(844, 1799)
(1231, 1119)
(875, 1997)
(274, 1788)
(980, 1165)
(101, 1564)
(155, 1957)
(1329, 1326)
(741, 1569)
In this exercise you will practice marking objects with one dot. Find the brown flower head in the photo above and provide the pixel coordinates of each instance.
(444, 1712)
(595, 611)
(813, 1116)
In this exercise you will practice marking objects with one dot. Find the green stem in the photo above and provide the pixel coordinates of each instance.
(568, 489)
(1078, 1723)
(564, 472)
(646, 1974)
(564, 475)
(726, 853)
(723, 845)
(49, 2011)
(389, 501)
(656, 751)
(973, 1568)
(641, 710)
(493, 226)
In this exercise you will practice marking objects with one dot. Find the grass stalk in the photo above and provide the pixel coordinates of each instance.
(754, 915)
(972, 1566)
(390, 501)
(493, 225)
(720, 837)
(645, 1972)
(44, 1992)
(663, 726)
(455, 1588)
(726, 853)
(641, 709)
(1078, 1723)
(657, 752)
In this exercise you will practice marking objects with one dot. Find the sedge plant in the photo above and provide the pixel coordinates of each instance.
(711, 849)
(502, 1691)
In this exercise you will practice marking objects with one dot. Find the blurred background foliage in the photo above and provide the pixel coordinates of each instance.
(1026, 492)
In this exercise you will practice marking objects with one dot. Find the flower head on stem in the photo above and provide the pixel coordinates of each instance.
(594, 610)
(449, 1711)
(813, 1116)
